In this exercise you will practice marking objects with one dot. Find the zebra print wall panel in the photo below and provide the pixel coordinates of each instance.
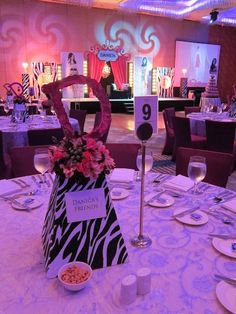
(98, 242)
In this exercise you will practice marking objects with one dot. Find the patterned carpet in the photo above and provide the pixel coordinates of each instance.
(163, 164)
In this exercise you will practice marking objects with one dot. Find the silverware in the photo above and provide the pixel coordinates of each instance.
(223, 236)
(18, 183)
(14, 201)
(23, 182)
(36, 182)
(185, 212)
(156, 197)
(230, 281)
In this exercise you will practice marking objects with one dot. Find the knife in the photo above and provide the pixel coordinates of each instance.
(231, 281)
(185, 212)
(14, 201)
(155, 197)
(223, 236)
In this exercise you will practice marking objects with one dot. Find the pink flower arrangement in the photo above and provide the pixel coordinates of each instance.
(80, 157)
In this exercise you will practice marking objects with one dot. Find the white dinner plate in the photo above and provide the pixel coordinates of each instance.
(119, 193)
(224, 246)
(24, 203)
(226, 294)
(188, 220)
(166, 200)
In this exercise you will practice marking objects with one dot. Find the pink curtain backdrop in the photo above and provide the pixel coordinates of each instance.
(95, 67)
(119, 71)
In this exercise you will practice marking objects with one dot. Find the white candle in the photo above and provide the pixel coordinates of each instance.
(128, 289)
(143, 281)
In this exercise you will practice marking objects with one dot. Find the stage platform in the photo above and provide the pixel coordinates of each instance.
(92, 105)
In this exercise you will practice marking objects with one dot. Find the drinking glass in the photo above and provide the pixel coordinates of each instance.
(53, 111)
(42, 162)
(197, 171)
(148, 161)
(6, 109)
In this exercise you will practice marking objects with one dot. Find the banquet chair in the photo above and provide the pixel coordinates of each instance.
(124, 154)
(188, 110)
(22, 160)
(44, 136)
(80, 116)
(32, 109)
(183, 136)
(97, 121)
(218, 164)
(168, 113)
(3, 113)
(4, 169)
(220, 136)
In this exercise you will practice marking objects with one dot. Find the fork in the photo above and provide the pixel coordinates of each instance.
(20, 183)
(229, 280)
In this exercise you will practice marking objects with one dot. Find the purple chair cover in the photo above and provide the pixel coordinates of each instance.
(44, 136)
(188, 110)
(22, 160)
(220, 136)
(168, 113)
(124, 154)
(183, 136)
(219, 164)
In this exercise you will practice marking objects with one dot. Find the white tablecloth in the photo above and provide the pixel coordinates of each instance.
(206, 101)
(181, 258)
(16, 134)
(197, 120)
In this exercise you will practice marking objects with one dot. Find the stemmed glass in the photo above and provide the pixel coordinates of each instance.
(197, 171)
(148, 161)
(42, 162)
(6, 109)
(53, 111)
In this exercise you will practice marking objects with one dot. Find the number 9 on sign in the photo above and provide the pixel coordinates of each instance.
(146, 110)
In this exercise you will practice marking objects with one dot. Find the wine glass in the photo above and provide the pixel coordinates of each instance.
(53, 111)
(148, 161)
(42, 162)
(6, 109)
(197, 171)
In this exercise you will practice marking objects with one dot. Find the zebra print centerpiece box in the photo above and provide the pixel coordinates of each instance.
(98, 242)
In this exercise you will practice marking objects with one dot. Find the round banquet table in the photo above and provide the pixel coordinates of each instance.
(197, 120)
(15, 134)
(206, 101)
(182, 260)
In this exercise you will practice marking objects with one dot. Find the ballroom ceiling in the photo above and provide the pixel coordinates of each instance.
(194, 10)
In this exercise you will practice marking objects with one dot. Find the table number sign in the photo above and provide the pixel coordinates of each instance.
(85, 205)
(146, 110)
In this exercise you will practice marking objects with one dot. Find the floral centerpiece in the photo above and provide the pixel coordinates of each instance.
(80, 157)
(81, 164)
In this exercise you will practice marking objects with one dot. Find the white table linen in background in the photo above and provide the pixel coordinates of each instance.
(16, 134)
(197, 120)
(181, 258)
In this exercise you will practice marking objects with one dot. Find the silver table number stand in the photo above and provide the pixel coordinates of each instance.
(144, 132)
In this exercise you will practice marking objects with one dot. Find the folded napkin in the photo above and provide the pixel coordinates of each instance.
(9, 187)
(230, 205)
(122, 175)
(179, 182)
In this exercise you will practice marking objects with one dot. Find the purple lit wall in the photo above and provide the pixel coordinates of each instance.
(40, 31)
